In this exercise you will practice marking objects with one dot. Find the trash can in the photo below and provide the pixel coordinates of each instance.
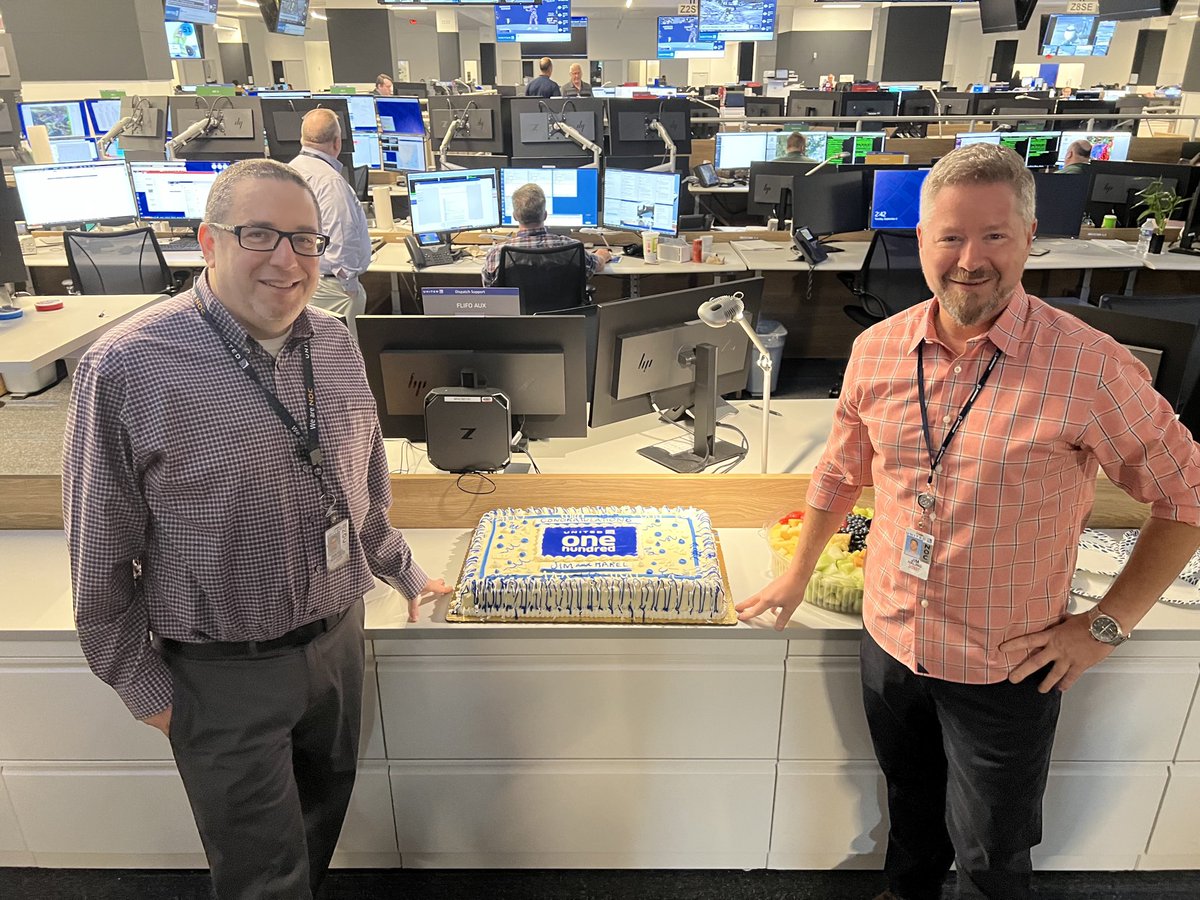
(774, 336)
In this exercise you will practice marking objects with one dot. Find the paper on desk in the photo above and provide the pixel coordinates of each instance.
(756, 244)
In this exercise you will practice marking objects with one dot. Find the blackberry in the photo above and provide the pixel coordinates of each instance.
(857, 527)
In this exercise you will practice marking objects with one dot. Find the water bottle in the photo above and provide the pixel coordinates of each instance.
(1144, 234)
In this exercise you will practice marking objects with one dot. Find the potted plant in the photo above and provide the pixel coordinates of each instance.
(1159, 203)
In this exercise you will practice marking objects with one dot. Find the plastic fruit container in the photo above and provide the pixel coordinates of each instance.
(838, 592)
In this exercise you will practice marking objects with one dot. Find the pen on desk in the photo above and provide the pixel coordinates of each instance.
(774, 412)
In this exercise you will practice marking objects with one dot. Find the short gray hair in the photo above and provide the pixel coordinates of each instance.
(981, 164)
(320, 126)
(1081, 148)
(529, 205)
(229, 184)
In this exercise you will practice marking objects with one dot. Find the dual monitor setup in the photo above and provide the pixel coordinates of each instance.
(477, 199)
(652, 352)
(1045, 149)
(737, 150)
(72, 126)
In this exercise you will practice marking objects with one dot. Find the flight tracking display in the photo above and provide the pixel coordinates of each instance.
(549, 21)
(737, 20)
(679, 37)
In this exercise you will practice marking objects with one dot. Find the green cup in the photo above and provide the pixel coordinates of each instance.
(1110, 221)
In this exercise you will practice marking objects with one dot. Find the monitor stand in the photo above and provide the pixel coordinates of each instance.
(706, 449)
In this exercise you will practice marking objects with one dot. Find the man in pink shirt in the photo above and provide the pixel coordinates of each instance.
(981, 418)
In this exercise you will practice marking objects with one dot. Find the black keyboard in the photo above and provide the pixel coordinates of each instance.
(180, 245)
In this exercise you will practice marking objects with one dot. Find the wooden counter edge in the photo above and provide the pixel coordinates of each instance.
(444, 501)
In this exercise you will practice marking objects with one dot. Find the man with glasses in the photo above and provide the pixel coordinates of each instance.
(226, 495)
(349, 253)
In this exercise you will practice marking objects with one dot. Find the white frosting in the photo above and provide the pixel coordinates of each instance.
(633, 564)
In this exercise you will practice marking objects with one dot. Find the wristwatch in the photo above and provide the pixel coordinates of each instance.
(1107, 630)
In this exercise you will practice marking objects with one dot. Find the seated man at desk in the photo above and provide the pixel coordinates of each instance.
(577, 87)
(529, 210)
(797, 148)
(1079, 156)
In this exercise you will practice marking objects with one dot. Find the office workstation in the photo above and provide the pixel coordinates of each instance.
(501, 746)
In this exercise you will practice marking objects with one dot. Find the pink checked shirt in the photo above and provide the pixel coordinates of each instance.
(1016, 484)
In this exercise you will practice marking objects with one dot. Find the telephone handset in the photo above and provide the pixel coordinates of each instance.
(428, 250)
(808, 246)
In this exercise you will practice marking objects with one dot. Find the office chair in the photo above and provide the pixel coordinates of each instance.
(1172, 308)
(695, 222)
(889, 281)
(549, 278)
(119, 262)
(359, 180)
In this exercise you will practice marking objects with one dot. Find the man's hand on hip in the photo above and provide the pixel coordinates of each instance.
(1068, 645)
(161, 721)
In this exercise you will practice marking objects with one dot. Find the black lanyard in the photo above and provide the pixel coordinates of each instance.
(936, 458)
(308, 441)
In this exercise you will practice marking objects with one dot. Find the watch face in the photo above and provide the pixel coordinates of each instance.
(1105, 629)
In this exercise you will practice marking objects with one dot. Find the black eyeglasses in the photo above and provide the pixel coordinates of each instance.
(264, 239)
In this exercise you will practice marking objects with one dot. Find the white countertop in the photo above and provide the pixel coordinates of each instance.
(38, 338)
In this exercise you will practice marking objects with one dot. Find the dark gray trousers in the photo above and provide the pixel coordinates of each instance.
(966, 768)
(267, 747)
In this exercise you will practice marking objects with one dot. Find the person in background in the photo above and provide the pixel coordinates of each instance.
(796, 150)
(981, 418)
(1078, 158)
(529, 211)
(348, 255)
(226, 497)
(543, 86)
(383, 86)
(577, 87)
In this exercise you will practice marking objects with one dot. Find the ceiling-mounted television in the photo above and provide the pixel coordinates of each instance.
(998, 16)
(737, 20)
(285, 16)
(575, 48)
(1136, 9)
(183, 40)
(1069, 35)
(202, 12)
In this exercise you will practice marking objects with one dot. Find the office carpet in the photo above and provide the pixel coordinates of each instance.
(367, 884)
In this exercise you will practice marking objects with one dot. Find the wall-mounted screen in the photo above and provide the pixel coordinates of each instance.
(576, 48)
(1077, 36)
(737, 20)
(203, 12)
(183, 40)
(548, 22)
(679, 38)
(285, 16)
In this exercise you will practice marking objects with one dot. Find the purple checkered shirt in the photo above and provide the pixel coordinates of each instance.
(174, 464)
(533, 237)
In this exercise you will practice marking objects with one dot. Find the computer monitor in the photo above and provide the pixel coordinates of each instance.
(12, 263)
(400, 115)
(534, 137)
(739, 149)
(641, 201)
(62, 118)
(1087, 110)
(655, 351)
(1190, 233)
(538, 361)
(74, 150)
(10, 121)
(103, 115)
(1039, 149)
(175, 190)
(479, 121)
(75, 193)
(366, 150)
(764, 107)
(572, 195)
(845, 147)
(402, 153)
(1107, 146)
(896, 198)
(630, 126)
(1115, 186)
(870, 103)
(1061, 200)
(283, 120)
(811, 104)
(832, 201)
(410, 89)
(361, 107)
(242, 127)
(1008, 105)
(454, 201)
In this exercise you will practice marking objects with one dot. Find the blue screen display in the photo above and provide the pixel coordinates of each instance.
(737, 20)
(547, 21)
(175, 189)
(679, 38)
(400, 115)
(572, 195)
(896, 202)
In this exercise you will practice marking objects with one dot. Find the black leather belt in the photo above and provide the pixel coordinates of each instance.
(297, 637)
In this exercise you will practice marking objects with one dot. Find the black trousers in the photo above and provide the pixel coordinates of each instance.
(966, 768)
(267, 746)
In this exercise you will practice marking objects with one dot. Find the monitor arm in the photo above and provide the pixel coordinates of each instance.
(110, 136)
(573, 134)
(826, 161)
(200, 128)
(660, 129)
(451, 130)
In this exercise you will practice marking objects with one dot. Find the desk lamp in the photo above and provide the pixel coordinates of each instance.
(719, 312)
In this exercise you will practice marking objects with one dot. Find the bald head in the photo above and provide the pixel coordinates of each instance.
(321, 129)
(545, 65)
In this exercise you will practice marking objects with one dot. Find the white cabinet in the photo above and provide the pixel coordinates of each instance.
(1126, 709)
(370, 741)
(576, 814)
(369, 834)
(57, 709)
(823, 714)
(12, 844)
(1175, 843)
(1189, 744)
(583, 706)
(829, 815)
(1098, 815)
